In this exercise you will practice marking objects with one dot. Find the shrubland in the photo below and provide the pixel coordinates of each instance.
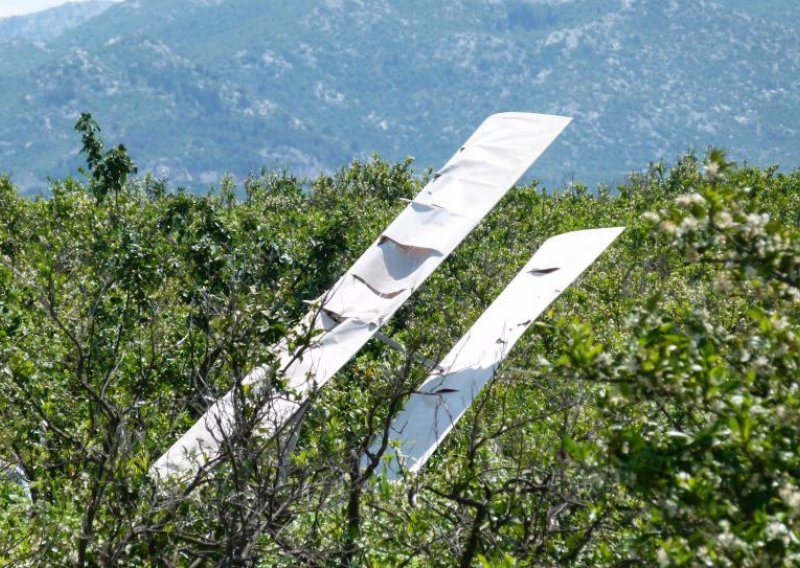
(650, 417)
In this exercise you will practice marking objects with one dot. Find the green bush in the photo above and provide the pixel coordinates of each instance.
(650, 417)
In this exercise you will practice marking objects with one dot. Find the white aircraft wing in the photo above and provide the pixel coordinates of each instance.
(383, 278)
(435, 407)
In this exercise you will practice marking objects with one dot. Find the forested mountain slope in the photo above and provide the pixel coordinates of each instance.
(200, 88)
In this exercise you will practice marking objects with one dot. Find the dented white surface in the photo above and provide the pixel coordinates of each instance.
(435, 407)
(399, 261)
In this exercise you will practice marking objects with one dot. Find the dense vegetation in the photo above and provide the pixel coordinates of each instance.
(650, 418)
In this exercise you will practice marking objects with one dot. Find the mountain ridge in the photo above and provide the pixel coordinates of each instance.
(47, 25)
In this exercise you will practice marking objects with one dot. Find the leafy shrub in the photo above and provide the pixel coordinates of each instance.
(651, 416)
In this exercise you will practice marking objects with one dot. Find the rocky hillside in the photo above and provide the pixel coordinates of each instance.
(197, 88)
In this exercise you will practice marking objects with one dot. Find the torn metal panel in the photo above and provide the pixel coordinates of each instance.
(315, 364)
(379, 282)
(433, 410)
(429, 227)
(390, 268)
(494, 156)
(352, 298)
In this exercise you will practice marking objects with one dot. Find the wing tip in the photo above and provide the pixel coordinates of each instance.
(615, 231)
(601, 236)
(562, 121)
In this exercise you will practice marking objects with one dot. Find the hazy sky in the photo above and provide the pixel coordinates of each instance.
(17, 7)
